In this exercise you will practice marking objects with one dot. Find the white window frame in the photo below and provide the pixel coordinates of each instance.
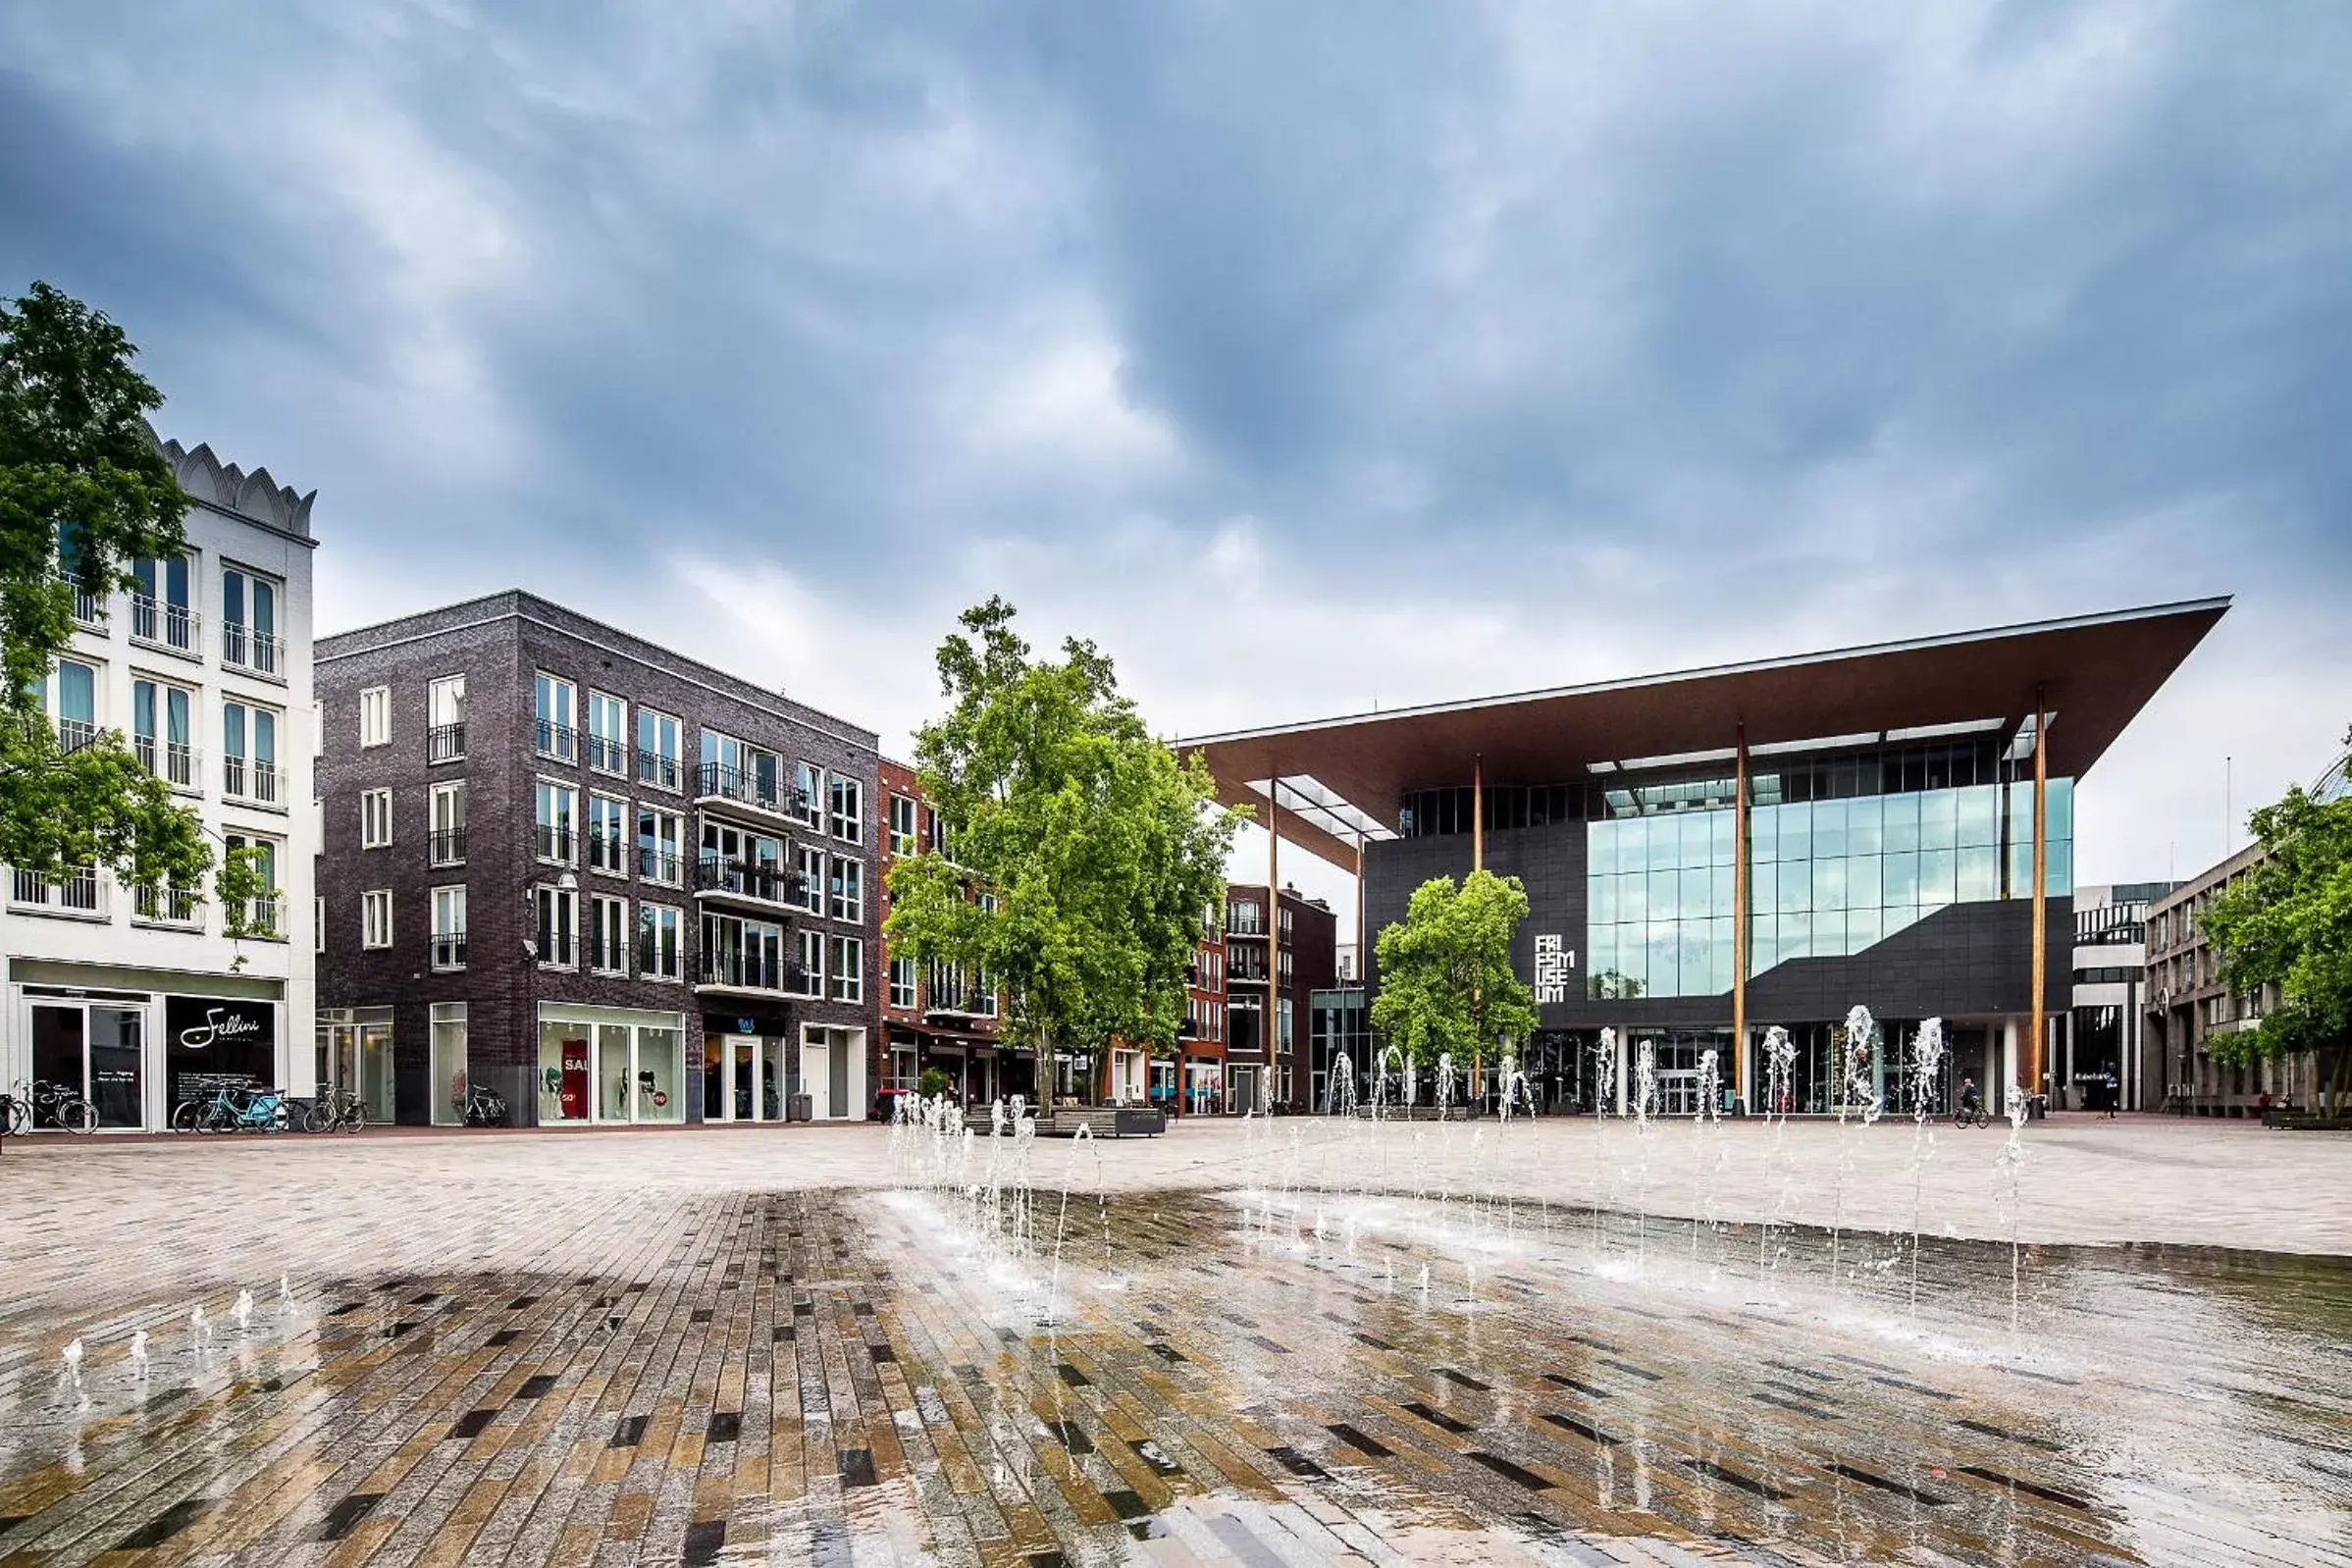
(440, 824)
(675, 918)
(597, 904)
(547, 734)
(625, 741)
(546, 904)
(813, 975)
(375, 819)
(375, 717)
(318, 923)
(444, 709)
(848, 986)
(676, 758)
(376, 918)
(809, 860)
(855, 819)
(904, 841)
(443, 904)
(625, 842)
(677, 841)
(812, 778)
(902, 984)
(564, 854)
(846, 902)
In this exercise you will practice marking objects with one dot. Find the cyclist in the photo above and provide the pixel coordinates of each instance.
(1972, 1099)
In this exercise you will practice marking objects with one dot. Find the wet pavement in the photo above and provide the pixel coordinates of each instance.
(597, 1358)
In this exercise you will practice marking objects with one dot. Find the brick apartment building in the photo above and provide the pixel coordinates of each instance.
(933, 1017)
(1200, 1065)
(604, 880)
(1268, 989)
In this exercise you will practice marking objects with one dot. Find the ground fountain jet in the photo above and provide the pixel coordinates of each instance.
(1710, 1143)
(1645, 1085)
(1927, 1069)
(2013, 1170)
(1780, 1061)
(1604, 1088)
(1854, 1091)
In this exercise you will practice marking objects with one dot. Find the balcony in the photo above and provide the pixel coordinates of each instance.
(664, 866)
(172, 762)
(773, 886)
(252, 781)
(715, 784)
(78, 894)
(168, 906)
(654, 768)
(448, 950)
(173, 628)
(75, 734)
(446, 846)
(608, 756)
(89, 605)
(559, 741)
(256, 653)
(553, 844)
(445, 743)
(607, 954)
(764, 975)
(263, 918)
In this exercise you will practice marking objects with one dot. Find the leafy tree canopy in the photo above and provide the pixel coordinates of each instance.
(83, 492)
(2287, 922)
(1096, 848)
(1447, 984)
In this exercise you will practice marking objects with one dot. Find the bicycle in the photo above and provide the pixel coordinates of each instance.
(46, 1104)
(334, 1110)
(235, 1111)
(1971, 1116)
(484, 1108)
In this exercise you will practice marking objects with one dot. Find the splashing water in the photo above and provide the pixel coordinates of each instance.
(1780, 1061)
(1854, 1089)
(1927, 1069)
(1605, 1064)
(2012, 1166)
(1646, 1087)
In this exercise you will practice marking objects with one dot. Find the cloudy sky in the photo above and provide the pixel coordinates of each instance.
(1305, 356)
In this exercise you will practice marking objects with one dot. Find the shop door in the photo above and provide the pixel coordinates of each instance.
(59, 1048)
(1678, 1093)
(117, 1047)
(816, 1074)
(771, 1079)
(376, 1072)
(744, 1099)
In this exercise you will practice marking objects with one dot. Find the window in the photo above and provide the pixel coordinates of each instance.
(558, 808)
(661, 855)
(249, 753)
(849, 969)
(75, 688)
(375, 716)
(736, 770)
(318, 923)
(902, 826)
(660, 949)
(901, 983)
(449, 927)
(808, 801)
(375, 917)
(657, 749)
(809, 862)
(807, 976)
(849, 889)
(250, 637)
(375, 818)
(160, 732)
(264, 915)
(608, 734)
(558, 909)
(552, 708)
(743, 954)
(444, 720)
(607, 935)
(608, 835)
(849, 809)
(448, 838)
(161, 611)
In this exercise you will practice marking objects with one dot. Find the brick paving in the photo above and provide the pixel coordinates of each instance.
(844, 1346)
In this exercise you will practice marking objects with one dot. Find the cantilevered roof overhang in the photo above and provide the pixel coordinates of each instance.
(2093, 673)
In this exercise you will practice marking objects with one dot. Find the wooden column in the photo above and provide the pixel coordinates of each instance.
(1478, 813)
(2041, 898)
(1739, 918)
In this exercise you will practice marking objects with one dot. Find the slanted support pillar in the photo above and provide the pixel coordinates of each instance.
(1739, 919)
(2041, 895)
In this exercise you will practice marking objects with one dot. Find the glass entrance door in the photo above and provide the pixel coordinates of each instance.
(744, 1100)
(772, 1084)
(95, 1054)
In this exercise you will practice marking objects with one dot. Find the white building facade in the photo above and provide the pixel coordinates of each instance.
(132, 998)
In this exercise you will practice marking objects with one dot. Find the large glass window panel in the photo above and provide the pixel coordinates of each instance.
(1603, 910)
(1600, 848)
(2061, 809)
(1861, 881)
(1602, 940)
(1979, 809)
(660, 1074)
(1696, 838)
(1900, 875)
(1664, 953)
(1764, 833)
(1723, 890)
(1796, 935)
(1939, 819)
(1698, 896)
(1829, 884)
(1696, 958)
(1939, 877)
(1829, 829)
(1633, 958)
(1862, 927)
(2057, 871)
(1795, 831)
(1901, 814)
(1795, 887)
(1763, 943)
(2020, 870)
(1764, 886)
(1666, 902)
(1865, 831)
(1896, 917)
(1979, 874)
(1829, 933)
(1723, 837)
(1633, 896)
(1719, 961)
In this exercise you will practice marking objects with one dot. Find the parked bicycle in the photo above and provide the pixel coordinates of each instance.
(484, 1108)
(44, 1104)
(334, 1110)
(235, 1111)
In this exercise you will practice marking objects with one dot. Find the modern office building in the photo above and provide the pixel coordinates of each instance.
(605, 881)
(1711, 853)
(138, 996)
(2104, 1061)
(933, 1017)
(1268, 986)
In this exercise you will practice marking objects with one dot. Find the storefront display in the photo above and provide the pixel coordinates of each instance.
(610, 1064)
(212, 1043)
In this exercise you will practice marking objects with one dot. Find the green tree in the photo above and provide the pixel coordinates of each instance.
(1447, 984)
(83, 492)
(1082, 853)
(2287, 923)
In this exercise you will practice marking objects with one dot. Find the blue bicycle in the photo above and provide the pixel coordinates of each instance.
(235, 1111)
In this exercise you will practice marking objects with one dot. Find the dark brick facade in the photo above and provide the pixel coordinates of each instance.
(499, 645)
(961, 1044)
(1312, 946)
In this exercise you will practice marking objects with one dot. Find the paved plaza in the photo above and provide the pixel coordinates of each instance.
(1292, 1343)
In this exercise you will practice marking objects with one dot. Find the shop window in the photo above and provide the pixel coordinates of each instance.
(449, 1064)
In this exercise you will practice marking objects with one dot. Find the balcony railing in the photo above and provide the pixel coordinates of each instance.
(656, 770)
(445, 743)
(448, 950)
(607, 852)
(250, 779)
(716, 781)
(73, 734)
(607, 952)
(172, 762)
(80, 892)
(258, 652)
(665, 866)
(168, 906)
(263, 917)
(553, 843)
(769, 885)
(745, 970)
(655, 962)
(446, 846)
(89, 606)
(559, 741)
(172, 627)
(609, 755)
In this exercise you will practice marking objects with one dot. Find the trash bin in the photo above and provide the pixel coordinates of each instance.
(799, 1108)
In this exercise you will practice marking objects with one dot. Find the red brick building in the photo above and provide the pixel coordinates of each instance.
(933, 1016)
(1268, 987)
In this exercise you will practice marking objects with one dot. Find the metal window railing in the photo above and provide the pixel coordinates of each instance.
(445, 743)
(259, 653)
(720, 781)
(167, 906)
(448, 950)
(661, 865)
(263, 917)
(559, 741)
(89, 605)
(657, 960)
(743, 969)
(250, 779)
(80, 891)
(446, 846)
(607, 852)
(553, 843)
(74, 734)
(158, 624)
(771, 884)
(656, 768)
(607, 755)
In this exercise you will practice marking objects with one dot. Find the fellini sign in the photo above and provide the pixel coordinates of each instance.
(1556, 968)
